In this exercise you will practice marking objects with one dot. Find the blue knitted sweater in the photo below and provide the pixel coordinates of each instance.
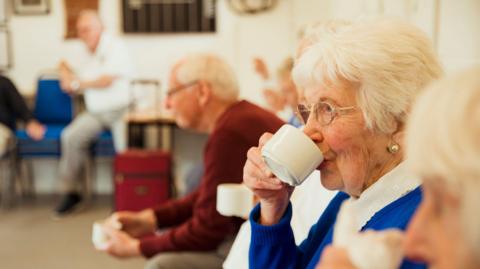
(274, 246)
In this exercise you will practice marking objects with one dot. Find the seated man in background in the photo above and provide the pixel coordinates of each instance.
(204, 98)
(104, 80)
(13, 107)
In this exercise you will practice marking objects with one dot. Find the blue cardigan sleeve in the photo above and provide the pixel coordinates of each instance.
(274, 246)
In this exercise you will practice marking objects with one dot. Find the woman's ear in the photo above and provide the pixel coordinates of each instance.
(399, 134)
(204, 93)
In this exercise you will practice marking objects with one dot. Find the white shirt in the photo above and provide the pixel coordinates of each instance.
(390, 187)
(111, 57)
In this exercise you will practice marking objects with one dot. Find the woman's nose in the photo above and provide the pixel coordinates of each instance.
(313, 130)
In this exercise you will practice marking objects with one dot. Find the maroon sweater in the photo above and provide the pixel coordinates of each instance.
(196, 224)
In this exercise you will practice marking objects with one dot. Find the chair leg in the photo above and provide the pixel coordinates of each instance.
(30, 180)
(8, 180)
(6, 198)
(21, 173)
(90, 178)
(25, 178)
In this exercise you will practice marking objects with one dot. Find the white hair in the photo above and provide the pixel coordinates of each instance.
(389, 61)
(211, 69)
(443, 142)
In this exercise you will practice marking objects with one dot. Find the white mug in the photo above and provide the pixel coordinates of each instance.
(234, 200)
(291, 155)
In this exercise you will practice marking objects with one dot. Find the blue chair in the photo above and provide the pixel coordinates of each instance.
(103, 146)
(55, 109)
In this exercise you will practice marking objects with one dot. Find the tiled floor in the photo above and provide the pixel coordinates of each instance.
(31, 239)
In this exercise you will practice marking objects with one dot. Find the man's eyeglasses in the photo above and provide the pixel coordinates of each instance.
(323, 112)
(174, 90)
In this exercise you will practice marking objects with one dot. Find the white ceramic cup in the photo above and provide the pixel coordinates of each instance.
(291, 155)
(234, 200)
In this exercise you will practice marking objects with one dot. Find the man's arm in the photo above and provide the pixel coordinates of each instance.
(72, 84)
(205, 229)
(101, 82)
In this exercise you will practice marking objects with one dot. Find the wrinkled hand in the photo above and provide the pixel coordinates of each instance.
(273, 194)
(261, 68)
(63, 66)
(135, 224)
(335, 258)
(66, 77)
(66, 84)
(35, 130)
(120, 244)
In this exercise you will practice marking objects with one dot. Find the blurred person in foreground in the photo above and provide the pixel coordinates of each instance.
(358, 81)
(103, 77)
(444, 150)
(203, 97)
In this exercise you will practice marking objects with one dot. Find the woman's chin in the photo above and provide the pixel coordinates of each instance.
(330, 181)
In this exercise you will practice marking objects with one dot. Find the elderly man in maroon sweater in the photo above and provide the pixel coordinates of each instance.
(204, 98)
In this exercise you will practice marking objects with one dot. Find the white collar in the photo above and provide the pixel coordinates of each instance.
(390, 187)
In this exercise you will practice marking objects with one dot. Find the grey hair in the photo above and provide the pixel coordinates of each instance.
(211, 69)
(443, 142)
(389, 61)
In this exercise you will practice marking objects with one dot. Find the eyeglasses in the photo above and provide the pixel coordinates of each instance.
(324, 112)
(175, 90)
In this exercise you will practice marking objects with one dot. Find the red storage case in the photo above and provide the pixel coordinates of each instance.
(142, 179)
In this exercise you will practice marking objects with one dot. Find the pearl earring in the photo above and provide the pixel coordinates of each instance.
(393, 148)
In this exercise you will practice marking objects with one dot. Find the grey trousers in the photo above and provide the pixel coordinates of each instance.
(77, 138)
(191, 259)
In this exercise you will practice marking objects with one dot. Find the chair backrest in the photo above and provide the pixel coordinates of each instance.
(52, 105)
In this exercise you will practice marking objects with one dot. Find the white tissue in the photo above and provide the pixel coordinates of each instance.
(369, 249)
(99, 236)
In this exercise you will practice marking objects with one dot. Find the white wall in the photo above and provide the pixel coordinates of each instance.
(453, 25)
(38, 43)
(459, 34)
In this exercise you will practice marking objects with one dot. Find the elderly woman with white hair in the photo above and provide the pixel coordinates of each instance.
(358, 82)
(444, 150)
